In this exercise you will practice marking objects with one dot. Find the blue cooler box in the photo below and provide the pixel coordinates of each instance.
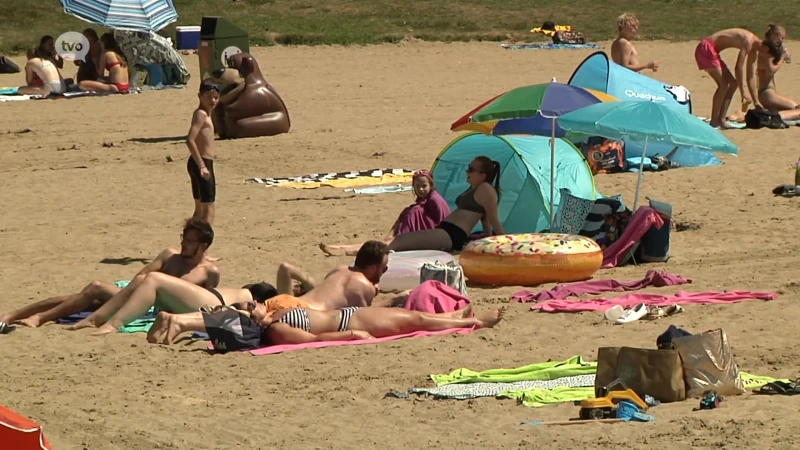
(187, 38)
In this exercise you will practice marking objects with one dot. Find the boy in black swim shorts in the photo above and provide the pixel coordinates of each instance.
(200, 141)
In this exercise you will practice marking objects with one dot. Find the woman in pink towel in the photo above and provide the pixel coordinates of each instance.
(301, 325)
(426, 213)
(477, 204)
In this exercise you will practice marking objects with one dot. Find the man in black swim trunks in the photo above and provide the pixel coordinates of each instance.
(201, 160)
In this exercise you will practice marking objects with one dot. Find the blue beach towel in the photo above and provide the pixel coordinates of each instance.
(9, 90)
(548, 46)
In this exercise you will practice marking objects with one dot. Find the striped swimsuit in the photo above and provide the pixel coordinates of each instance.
(298, 318)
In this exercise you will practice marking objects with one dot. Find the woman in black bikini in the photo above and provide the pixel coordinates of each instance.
(478, 203)
(300, 325)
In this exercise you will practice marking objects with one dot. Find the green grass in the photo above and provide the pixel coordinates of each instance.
(348, 22)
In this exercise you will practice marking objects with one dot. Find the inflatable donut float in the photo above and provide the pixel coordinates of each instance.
(530, 259)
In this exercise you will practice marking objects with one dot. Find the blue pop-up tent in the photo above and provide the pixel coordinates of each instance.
(600, 73)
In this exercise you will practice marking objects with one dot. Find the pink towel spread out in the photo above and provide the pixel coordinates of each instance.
(425, 214)
(290, 347)
(653, 278)
(641, 221)
(628, 300)
(435, 297)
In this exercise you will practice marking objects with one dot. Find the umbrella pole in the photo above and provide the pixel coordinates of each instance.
(552, 172)
(641, 176)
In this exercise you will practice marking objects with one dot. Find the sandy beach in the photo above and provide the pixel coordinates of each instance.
(92, 186)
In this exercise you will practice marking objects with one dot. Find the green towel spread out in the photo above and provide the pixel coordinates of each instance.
(142, 324)
(533, 372)
(552, 370)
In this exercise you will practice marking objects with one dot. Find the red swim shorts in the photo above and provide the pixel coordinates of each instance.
(707, 56)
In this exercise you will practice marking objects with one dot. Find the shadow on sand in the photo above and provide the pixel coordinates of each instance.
(124, 261)
(158, 140)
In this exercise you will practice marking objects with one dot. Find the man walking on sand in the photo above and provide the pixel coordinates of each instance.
(622, 50)
(187, 263)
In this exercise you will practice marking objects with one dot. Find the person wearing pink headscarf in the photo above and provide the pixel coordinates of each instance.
(427, 212)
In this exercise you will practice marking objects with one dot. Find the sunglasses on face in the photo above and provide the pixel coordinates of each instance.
(471, 169)
(208, 87)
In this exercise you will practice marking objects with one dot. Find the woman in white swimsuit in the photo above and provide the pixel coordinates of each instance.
(41, 76)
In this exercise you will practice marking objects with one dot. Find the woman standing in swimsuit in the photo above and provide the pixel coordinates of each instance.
(112, 60)
(301, 325)
(771, 57)
(476, 204)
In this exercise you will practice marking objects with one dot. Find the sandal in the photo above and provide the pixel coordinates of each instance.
(657, 312)
(780, 388)
(6, 328)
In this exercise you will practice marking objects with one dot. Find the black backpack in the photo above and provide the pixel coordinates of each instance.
(8, 66)
(764, 118)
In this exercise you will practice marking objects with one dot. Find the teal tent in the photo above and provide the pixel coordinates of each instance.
(524, 175)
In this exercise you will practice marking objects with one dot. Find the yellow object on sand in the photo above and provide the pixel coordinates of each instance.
(387, 178)
(550, 33)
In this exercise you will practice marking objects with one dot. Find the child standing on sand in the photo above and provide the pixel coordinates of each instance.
(622, 50)
(201, 155)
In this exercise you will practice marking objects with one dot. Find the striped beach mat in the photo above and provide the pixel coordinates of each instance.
(371, 176)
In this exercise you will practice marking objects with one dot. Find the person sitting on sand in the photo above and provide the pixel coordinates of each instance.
(302, 325)
(47, 50)
(41, 76)
(426, 213)
(477, 203)
(622, 50)
(707, 56)
(188, 263)
(87, 70)
(112, 60)
(770, 59)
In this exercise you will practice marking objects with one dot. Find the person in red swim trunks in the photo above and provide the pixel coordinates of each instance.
(707, 56)
(112, 60)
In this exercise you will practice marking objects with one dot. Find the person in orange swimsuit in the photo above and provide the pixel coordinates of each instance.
(112, 60)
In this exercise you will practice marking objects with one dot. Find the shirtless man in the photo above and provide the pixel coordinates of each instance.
(41, 76)
(190, 264)
(707, 56)
(770, 59)
(622, 50)
(201, 155)
(182, 263)
(344, 286)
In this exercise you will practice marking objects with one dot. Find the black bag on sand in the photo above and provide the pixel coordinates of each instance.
(764, 118)
(8, 66)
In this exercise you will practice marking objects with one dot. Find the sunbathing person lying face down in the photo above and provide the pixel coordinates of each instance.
(301, 325)
(41, 76)
(196, 238)
(477, 203)
(344, 286)
(183, 263)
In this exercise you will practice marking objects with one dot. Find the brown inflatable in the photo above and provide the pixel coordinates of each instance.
(248, 105)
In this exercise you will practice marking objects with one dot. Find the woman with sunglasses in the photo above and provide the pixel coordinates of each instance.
(477, 204)
(255, 327)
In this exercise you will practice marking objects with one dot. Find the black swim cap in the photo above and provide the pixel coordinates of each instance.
(261, 291)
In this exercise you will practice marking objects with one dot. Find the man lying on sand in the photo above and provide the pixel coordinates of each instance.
(188, 263)
(622, 50)
(195, 269)
(303, 325)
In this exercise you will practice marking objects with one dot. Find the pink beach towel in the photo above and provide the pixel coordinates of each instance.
(653, 278)
(272, 349)
(435, 297)
(641, 221)
(628, 300)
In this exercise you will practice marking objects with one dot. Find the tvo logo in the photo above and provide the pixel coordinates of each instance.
(72, 46)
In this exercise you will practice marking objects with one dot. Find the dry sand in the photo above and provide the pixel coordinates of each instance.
(90, 180)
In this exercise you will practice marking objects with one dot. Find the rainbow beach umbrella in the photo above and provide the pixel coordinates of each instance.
(531, 110)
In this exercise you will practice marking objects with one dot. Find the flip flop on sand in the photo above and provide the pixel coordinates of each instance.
(657, 312)
(786, 190)
(5, 328)
(780, 388)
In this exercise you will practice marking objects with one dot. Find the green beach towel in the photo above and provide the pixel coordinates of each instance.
(541, 371)
(142, 324)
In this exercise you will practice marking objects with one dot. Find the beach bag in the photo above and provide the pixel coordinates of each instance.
(656, 241)
(605, 155)
(708, 364)
(8, 66)
(657, 373)
(450, 274)
(569, 37)
(764, 118)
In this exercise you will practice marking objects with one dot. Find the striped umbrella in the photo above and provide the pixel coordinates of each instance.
(137, 15)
